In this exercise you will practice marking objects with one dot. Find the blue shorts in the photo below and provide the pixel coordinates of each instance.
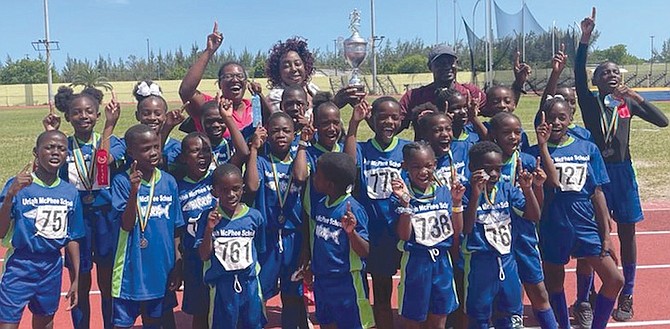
(525, 250)
(489, 277)
(623, 199)
(196, 292)
(384, 256)
(279, 262)
(126, 311)
(568, 228)
(343, 300)
(33, 280)
(426, 285)
(236, 308)
(99, 244)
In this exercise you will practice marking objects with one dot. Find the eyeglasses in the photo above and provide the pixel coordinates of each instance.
(230, 77)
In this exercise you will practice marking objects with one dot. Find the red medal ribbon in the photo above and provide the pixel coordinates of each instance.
(102, 174)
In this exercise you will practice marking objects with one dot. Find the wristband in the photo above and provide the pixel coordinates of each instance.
(457, 210)
(303, 143)
(403, 210)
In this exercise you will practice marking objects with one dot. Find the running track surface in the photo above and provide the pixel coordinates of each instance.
(652, 305)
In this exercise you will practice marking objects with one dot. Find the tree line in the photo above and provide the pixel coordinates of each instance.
(401, 56)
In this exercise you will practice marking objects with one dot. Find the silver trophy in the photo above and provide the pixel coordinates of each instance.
(355, 47)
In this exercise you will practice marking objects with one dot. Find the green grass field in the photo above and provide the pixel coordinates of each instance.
(20, 127)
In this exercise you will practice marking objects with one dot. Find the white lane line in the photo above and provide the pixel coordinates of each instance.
(630, 324)
(645, 233)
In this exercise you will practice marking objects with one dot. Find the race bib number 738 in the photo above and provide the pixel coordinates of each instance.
(51, 221)
(432, 227)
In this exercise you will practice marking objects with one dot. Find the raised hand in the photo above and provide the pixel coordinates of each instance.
(259, 137)
(214, 39)
(23, 178)
(351, 95)
(225, 106)
(361, 111)
(473, 105)
(399, 188)
(175, 117)
(559, 60)
(307, 133)
(543, 130)
(254, 87)
(457, 189)
(348, 220)
(622, 91)
(213, 219)
(135, 176)
(521, 70)
(478, 180)
(524, 177)
(588, 24)
(539, 176)
(113, 110)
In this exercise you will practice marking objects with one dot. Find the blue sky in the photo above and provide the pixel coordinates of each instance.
(86, 28)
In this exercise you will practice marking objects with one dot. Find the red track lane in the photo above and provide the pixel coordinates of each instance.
(651, 290)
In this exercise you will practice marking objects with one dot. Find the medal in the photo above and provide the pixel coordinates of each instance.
(281, 197)
(85, 172)
(608, 152)
(143, 242)
(492, 198)
(144, 218)
(88, 199)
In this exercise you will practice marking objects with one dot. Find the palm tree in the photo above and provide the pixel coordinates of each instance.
(90, 78)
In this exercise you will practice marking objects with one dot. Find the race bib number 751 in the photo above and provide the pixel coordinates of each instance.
(234, 253)
(51, 221)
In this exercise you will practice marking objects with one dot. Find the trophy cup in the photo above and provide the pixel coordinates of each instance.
(355, 48)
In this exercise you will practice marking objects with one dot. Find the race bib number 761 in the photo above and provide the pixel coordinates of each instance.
(234, 253)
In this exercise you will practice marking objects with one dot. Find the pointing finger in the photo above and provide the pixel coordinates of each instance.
(561, 49)
(543, 117)
(26, 167)
(216, 27)
(183, 107)
(133, 166)
(348, 206)
(538, 162)
(517, 58)
(593, 13)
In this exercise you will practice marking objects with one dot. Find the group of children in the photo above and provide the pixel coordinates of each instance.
(242, 215)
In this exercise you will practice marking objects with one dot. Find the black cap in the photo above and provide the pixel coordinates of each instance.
(439, 50)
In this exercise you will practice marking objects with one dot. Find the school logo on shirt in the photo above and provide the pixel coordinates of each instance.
(324, 231)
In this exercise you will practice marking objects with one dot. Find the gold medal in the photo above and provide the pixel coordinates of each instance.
(88, 199)
(143, 242)
(144, 218)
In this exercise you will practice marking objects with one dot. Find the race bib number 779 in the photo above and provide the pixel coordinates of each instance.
(51, 221)
(379, 182)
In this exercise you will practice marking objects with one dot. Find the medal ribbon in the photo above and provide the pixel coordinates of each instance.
(336, 148)
(608, 130)
(490, 199)
(85, 173)
(425, 197)
(275, 176)
(144, 218)
(452, 168)
(513, 172)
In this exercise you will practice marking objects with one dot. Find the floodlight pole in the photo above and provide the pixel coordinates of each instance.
(523, 30)
(437, 23)
(374, 52)
(47, 46)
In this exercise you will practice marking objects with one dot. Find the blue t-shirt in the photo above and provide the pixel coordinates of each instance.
(580, 167)
(313, 153)
(276, 177)
(431, 223)
(142, 273)
(523, 229)
(525, 144)
(456, 158)
(236, 243)
(580, 132)
(195, 197)
(171, 151)
(468, 136)
(44, 218)
(378, 167)
(492, 231)
(331, 250)
(221, 153)
(73, 171)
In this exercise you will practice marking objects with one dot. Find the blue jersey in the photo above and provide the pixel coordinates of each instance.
(580, 167)
(78, 166)
(378, 167)
(171, 151)
(431, 222)
(221, 153)
(195, 197)
(509, 170)
(468, 136)
(293, 150)
(44, 218)
(525, 144)
(456, 159)
(492, 231)
(580, 132)
(313, 153)
(141, 273)
(276, 180)
(331, 249)
(236, 243)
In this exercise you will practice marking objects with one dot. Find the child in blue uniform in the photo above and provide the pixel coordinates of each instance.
(145, 202)
(581, 309)
(379, 160)
(195, 198)
(575, 220)
(279, 199)
(452, 157)
(229, 242)
(611, 134)
(506, 133)
(40, 215)
(339, 244)
(429, 220)
(490, 267)
(88, 169)
(466, 123)
(501, 99)
(217, 117)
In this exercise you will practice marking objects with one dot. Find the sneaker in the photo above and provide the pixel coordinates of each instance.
(517, 321)
(624, 310)
(583, 314)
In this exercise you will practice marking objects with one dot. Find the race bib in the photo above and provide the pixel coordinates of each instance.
(379, 182)
(432, 227)
(192, 225)
(572, 176)
(499, 235)
(51, 221)
(234, 253)
(444, 176)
